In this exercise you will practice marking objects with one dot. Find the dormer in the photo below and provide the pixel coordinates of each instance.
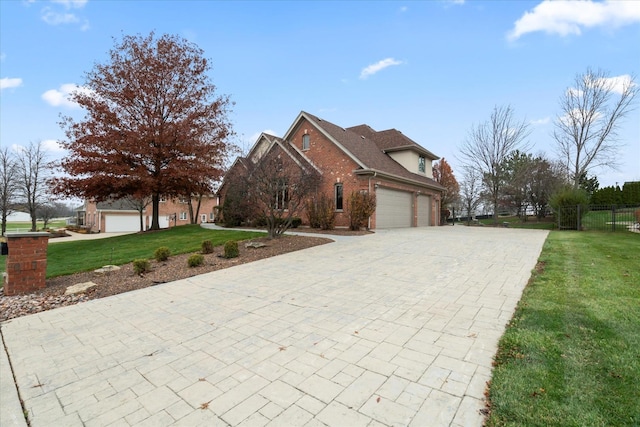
(413, 159)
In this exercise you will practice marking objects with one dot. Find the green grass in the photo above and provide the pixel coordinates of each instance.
(571, 354)
(603, 220)
(25, 226)
(72, 257)
(515, 222)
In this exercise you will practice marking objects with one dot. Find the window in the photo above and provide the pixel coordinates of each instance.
(281, 199)
(305, 142)
(163, 199)
(421, 164)
(183, 216)
(211, 216)
(338, 189)
(183, 199)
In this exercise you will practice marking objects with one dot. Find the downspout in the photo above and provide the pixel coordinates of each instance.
(369, 219)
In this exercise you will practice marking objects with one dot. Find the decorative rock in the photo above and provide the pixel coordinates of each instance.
(254, 245)
(106, 269)
(79, 288)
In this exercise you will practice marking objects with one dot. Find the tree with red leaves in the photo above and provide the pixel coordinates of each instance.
(154, 125)
(443, 174)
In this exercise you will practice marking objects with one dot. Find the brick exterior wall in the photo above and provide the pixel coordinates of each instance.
(337, 167)
(26, 266)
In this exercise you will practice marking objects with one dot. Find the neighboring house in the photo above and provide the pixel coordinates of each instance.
(122, 215)
(387, 163)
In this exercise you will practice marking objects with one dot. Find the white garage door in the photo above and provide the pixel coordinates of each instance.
(121, 223)
(393, 208)
(424, 211)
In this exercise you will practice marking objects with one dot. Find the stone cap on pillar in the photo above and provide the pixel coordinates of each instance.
(28, 234)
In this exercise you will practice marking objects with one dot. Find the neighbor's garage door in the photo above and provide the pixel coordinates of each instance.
(121, 223)
(424, 211)
(393, 208)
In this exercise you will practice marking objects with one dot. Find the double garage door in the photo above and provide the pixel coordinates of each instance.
(394, 209)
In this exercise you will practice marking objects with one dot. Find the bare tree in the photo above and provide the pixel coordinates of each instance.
(8, 185)
(278, 187)
(139, 203)
(488, 145)
(586, 129)
(471, 190)
(32, 179)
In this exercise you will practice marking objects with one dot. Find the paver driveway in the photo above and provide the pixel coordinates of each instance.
(395, 328)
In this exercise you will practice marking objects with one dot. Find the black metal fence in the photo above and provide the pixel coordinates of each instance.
(599, 217)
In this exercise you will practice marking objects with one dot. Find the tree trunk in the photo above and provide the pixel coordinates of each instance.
(155, 203)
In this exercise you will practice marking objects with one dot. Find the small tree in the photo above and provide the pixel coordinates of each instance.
(443, 175)
(470, 190)
(570, 205)
(489, 144)
(361, 206)
(8, 185)
(277, 187)
(32, 179)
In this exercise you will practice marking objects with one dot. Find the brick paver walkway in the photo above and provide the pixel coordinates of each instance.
(396, 328)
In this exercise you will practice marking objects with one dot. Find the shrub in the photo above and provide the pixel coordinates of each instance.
(569, 206)
(295, 222)
(195, 260)
(141, 266)
(162, 254)
(207, 247)
(231, 249)
(321, 212)
(361, 206)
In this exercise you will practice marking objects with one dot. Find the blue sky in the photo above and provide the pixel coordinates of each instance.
(429, 69)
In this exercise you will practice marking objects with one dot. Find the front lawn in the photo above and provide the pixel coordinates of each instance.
(83, 255)
(571, 354)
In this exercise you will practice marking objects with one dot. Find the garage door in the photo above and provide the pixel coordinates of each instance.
(393, 208)
(121, 223)
(424, 211)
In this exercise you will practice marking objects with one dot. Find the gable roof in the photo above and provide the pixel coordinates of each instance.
(368, 149)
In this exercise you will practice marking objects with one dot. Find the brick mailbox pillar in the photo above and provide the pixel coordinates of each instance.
(26, 267)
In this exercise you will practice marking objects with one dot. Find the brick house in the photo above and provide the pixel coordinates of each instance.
(387, 163)
(122, 215)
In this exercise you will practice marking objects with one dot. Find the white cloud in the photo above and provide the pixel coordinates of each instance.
(51, 145)
(571, 17)
(6, 82)
(542, 121)
(71, 4)
(55, 18)
(378, 66)
(61, 97)
(618, 83)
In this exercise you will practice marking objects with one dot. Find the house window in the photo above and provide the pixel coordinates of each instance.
(305, 142)
(421, 164)
(338, 190)
(183, 199)
(211, 216)
(183, 216)
(281, 199)
(163, 199)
